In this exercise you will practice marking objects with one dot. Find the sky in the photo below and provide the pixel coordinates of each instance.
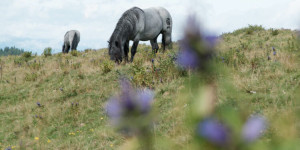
(36, 24)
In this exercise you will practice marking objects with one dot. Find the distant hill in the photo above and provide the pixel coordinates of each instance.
(11, 51)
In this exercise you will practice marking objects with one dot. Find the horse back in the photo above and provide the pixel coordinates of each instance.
(72, 36)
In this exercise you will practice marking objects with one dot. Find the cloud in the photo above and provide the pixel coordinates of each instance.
(36, 24)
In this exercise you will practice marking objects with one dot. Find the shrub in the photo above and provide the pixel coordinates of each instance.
(27, 55)
(107, 66)
(274, 32)
(47, 52)
(74, 53)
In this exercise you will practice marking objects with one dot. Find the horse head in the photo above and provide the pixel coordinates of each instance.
(115, 50)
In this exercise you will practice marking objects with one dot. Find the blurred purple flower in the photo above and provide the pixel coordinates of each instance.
(193, 27)
(188, 59)
(114, 110)
(211, 40)
(223, 59)
(213, 131)
(273, 48)
(39, 104)
(145, 98)
(274, 51)
(129, 102)
(152, 60)
(196, 48)
(253, 128)
(9, 148)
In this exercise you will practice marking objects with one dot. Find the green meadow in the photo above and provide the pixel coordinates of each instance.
(58, 101)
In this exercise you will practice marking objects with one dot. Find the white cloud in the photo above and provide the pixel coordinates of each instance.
(36, 24)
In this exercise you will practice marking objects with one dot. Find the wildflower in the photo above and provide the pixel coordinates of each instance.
(13, 147)
(253, 128)
(213, 131)
(39, 104)
(111, 145)
(101, 118)
(36, 138)
(9, 148)
(274, 51)
(152, 60)
(49, 141)
(130, 103)
(223, 59)
(195, 48)
(92, 130)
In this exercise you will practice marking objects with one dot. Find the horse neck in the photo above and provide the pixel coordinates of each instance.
(124, 31)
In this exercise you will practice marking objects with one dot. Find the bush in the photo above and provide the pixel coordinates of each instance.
(27, 55)
(107, 66)
(74, 53)
(274, 32)
(47, 52)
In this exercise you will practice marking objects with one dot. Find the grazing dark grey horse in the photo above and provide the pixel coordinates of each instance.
(71, 41)
(140, 25)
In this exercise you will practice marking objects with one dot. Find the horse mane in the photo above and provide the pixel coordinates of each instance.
(126, 25)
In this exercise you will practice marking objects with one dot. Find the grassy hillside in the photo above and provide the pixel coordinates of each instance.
(58, 102)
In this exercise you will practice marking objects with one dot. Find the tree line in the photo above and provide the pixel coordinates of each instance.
(11, 51)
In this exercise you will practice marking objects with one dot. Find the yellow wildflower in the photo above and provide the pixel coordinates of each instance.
(101, 118)
(92, 130)
(111, 145)
(13, 147)
(36, 138)
(49, 141)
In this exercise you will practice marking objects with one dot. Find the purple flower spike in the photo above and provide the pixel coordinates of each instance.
(39, 104)
(211, 40)
(129, 103)
(192, 28)
(188, 59)
(145, 100)
(114, 110)
(273, 48)
(254, 128)
(213, 131)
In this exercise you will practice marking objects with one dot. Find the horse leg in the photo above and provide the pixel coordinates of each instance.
(126, 50)
(163, 42)
(154, 45)
(63, 48)
(133, 49)
(68, 48)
